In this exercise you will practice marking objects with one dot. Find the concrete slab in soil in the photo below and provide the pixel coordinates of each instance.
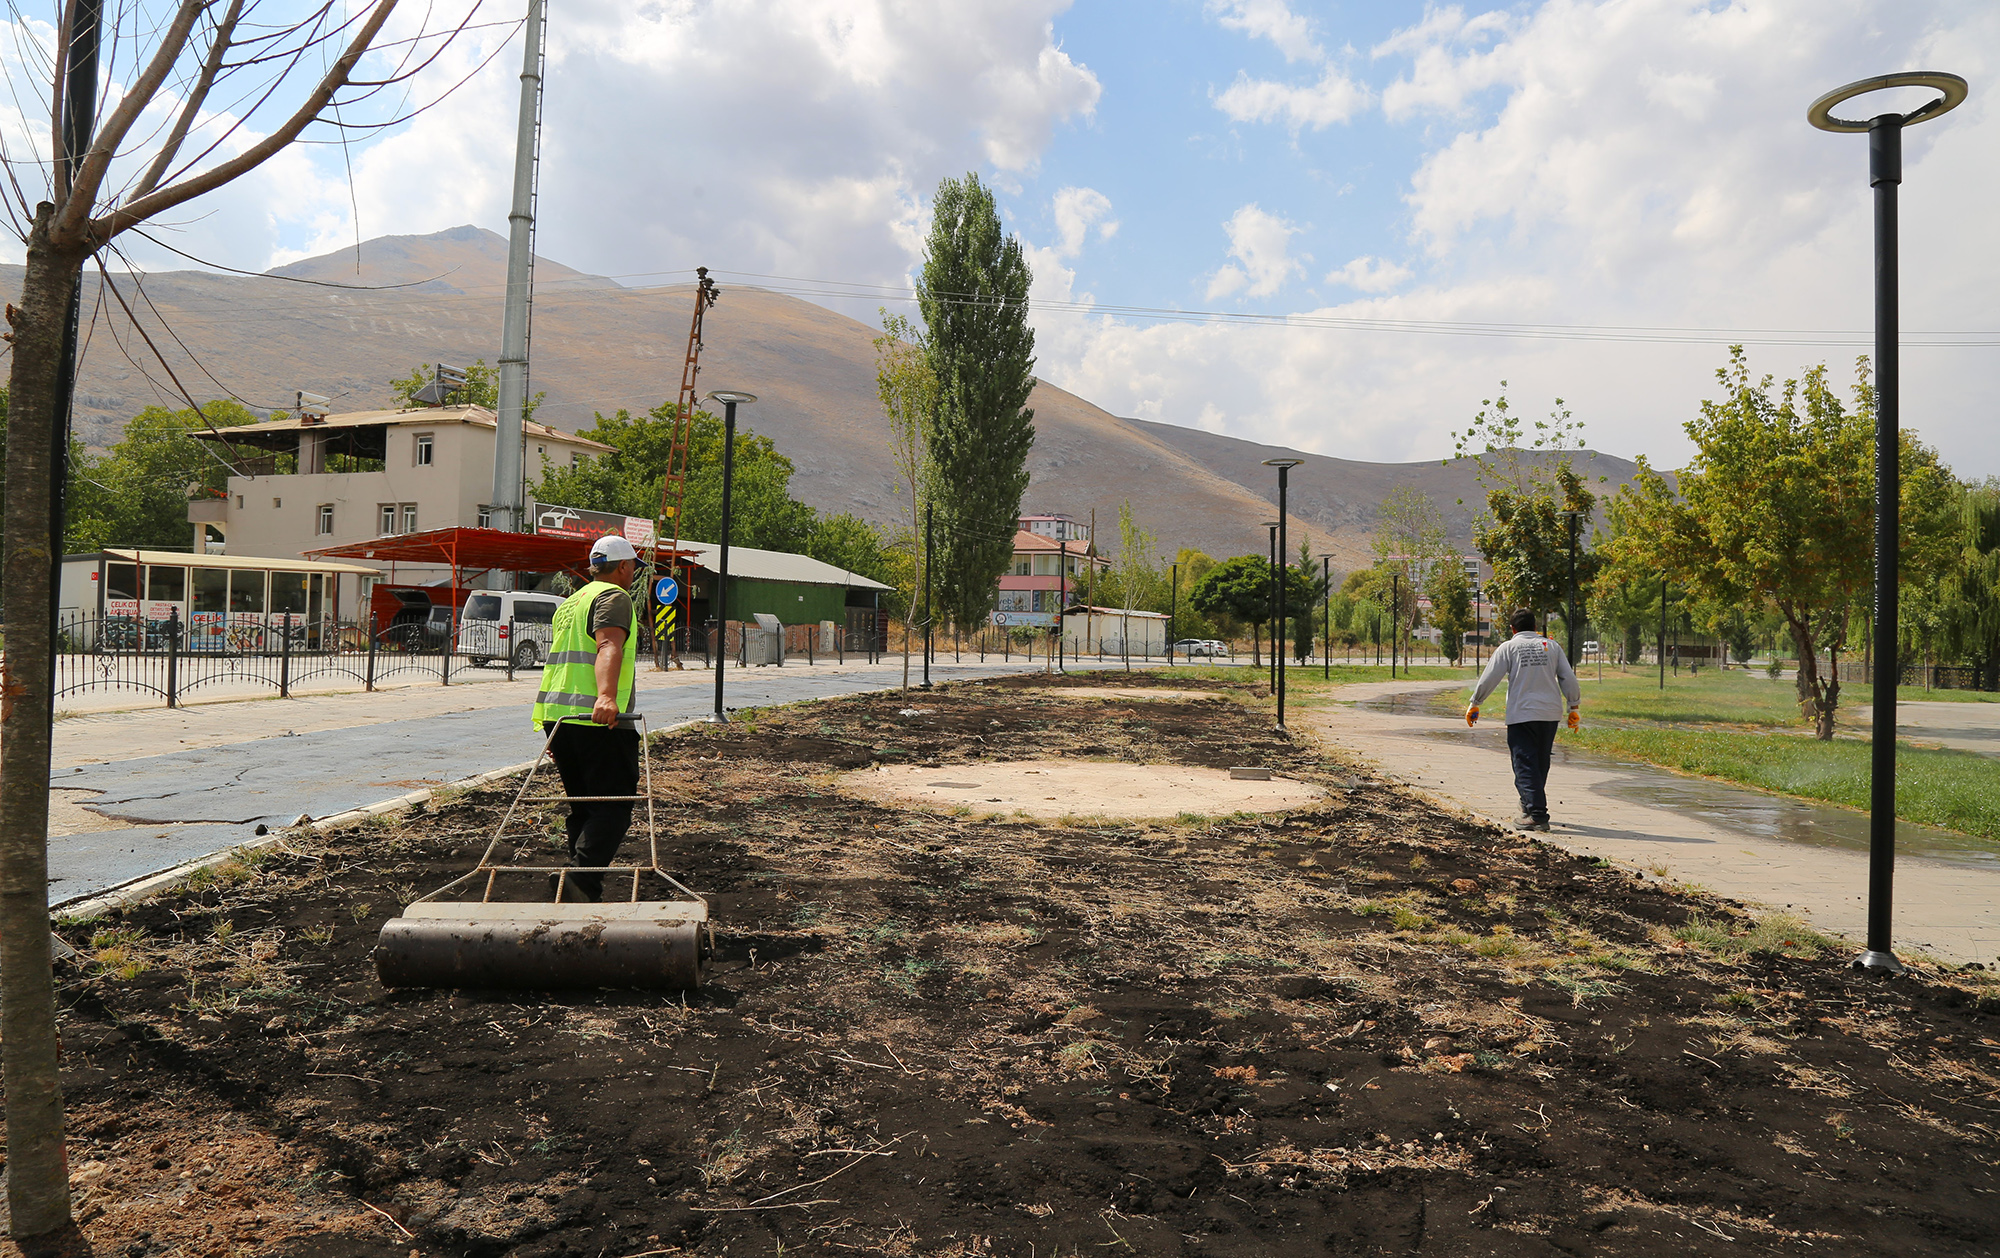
(1765, 849)
(1069, 788)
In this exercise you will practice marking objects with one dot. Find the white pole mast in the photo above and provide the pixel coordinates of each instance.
(507, 445)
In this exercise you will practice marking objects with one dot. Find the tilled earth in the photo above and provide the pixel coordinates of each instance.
(1369, 1027)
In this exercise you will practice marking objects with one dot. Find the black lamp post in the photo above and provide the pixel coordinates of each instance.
(1271, 601)
(1663, 631)
(1284, 467)
(730, 399)
(1885, 172)
(1569, 618)
(1173, 609)
(1326, 616)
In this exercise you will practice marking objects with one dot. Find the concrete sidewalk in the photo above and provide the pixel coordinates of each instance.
(1777, 852)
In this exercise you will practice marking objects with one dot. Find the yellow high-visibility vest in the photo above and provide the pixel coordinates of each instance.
(569, 678)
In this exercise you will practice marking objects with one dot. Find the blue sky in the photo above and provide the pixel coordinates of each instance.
(1628, 170)
(1176, 167)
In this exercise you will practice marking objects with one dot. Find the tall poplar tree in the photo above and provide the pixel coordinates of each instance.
(973, 295)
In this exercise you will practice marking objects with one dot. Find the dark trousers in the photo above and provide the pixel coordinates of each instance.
(595, 760)
(1532, 744)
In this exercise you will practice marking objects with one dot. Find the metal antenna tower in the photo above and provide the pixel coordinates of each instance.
(673, 489)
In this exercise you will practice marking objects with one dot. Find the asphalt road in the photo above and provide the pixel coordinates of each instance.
(186, 804)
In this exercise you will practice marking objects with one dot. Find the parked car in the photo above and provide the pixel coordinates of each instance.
(1593, 647)
(501, 623)
(1201, 647)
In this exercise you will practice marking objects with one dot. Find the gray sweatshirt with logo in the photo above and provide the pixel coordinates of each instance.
(1538, 678)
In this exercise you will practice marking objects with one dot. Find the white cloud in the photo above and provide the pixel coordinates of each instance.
(1640, 163)
(1370, 275)
(1076, 210)
(1335, 98)
(794, 137)
(1272, 20)
(1261, 242)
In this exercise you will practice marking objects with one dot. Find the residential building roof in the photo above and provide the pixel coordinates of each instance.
(1135, 613)
(753, 564)
(282, 434)
(182, 559)
(1024, 540)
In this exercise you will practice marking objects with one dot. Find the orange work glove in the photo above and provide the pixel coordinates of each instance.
(1472, 716)
(1575, 719)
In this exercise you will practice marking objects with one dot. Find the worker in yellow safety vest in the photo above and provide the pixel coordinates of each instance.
(586, 684)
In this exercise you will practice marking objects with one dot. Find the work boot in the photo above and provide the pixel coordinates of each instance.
(1525, 822)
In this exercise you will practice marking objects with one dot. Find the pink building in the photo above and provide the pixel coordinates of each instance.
(1032, 589)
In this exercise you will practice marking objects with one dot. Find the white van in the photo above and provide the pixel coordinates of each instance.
(484, 629)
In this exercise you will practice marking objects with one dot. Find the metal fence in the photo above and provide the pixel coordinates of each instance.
(275, 650)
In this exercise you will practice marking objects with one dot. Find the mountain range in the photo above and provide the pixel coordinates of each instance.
(344, 323)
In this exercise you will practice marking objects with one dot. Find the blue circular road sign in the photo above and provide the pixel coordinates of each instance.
(666, 591)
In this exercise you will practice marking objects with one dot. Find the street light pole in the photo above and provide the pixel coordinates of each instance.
(1173, 609)
(1663, 631)
(1885, 173)
(1395, 618)
(1279, 569)
(1326, 616)
(1271, 600)
(730, 399)
(927, 596)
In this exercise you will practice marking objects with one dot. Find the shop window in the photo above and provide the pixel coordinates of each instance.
(246, 590)
(211, 590)
(288, 592)
(166, 585)
(121, 580)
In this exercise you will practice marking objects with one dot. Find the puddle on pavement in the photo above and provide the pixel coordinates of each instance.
(1728, 807)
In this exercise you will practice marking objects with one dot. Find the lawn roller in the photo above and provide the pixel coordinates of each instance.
(493, 927)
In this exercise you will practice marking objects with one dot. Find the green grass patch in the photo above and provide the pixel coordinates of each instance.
(1779, 935)
(1953, 790)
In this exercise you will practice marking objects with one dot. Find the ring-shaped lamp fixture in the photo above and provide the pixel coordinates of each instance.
(726, 396)
(1820, 114)
(1282, 462)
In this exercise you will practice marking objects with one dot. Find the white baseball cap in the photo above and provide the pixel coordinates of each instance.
(611, 548)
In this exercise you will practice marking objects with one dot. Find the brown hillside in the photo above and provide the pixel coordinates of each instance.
(599, 346)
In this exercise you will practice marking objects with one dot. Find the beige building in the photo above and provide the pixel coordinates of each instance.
(363, 475)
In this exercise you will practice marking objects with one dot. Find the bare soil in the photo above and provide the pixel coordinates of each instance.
(1364, 1027)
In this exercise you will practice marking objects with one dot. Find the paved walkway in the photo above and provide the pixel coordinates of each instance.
(136, 792)
(1785, 854)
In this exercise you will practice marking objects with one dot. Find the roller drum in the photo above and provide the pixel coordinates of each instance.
(430, 952)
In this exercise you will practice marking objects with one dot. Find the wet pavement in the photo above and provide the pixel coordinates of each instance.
(1767, 849)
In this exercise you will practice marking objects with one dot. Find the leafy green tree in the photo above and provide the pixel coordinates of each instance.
(850, 542)
(1777, 506)
(1529, 483)
(482, 388)
(628, 479)
(136, 493)
(973, 295)
(1240, 590)
(1451, 608)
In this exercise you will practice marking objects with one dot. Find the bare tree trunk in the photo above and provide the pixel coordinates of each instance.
(37, 1167)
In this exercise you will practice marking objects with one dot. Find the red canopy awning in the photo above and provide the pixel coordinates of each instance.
(463, 548)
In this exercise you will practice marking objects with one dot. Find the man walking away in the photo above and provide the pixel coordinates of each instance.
(1539, 680)
(586, 684)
